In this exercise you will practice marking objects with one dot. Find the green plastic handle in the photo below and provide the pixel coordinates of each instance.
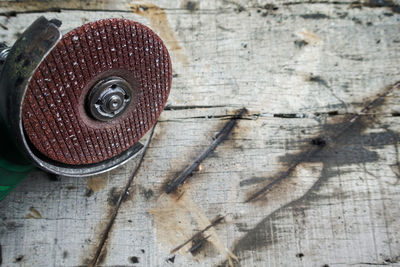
(14, 166)
(11, 175)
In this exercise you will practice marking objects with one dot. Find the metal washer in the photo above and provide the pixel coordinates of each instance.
(109, 98)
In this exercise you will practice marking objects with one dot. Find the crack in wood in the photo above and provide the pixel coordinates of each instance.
(173, 107)
(122, 196)
(255, 116)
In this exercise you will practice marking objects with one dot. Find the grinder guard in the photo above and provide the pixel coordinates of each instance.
(17, 151)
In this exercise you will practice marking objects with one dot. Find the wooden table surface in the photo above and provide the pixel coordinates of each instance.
(309, 177)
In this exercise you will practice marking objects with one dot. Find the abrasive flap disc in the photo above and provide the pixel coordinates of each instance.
(97, 92)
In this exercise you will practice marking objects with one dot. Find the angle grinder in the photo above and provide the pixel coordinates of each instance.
(78, 104)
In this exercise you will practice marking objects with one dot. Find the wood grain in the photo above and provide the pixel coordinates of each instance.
(303, 70)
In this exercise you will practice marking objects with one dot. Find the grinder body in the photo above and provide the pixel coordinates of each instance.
(78, 104)
(14, 166)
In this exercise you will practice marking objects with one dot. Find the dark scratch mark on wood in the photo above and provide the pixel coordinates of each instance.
(171, 259)
(19, 258)
(224, 29)
(238, 9)
(197, 235)
(319, 141)
(288, 115)
(122, 196)
(300, 43)
(3, 26)
(134, 260)
(197, 244)
(102, 257)
(52, 177)
(114, 195)
(191, 6)
(171, 107)
(315, 16)
(383, 3)
(221, 136)
(317, 79)
(89, 192)
(269, 9)
(300, 255)
(315, 3)
(147, 193)
(251, 181)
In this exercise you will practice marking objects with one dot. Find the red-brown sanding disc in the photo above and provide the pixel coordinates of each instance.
(54, 115)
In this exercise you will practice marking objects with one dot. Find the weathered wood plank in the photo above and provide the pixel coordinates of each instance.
(318, 63)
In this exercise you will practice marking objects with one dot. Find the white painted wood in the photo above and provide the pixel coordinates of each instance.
(339, 208)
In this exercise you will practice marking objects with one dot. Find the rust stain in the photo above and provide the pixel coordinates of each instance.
(178, 218)
(96, 183)
(159, 22)
(33, 214)
(309, 37)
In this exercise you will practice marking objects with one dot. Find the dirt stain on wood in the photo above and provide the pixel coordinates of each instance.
(314, 16)
(103, 227)
(300, 43)
(33, 214)
(159, 23)
(147, 193)
(252, 241)
(90, 252)
(191, 6)
(394, 7)
(19, 259)
(309, 37)
(177, 218)
(316, 79)
(134, 260)
(96, 183)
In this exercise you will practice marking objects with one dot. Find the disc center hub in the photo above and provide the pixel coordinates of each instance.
(109, 98)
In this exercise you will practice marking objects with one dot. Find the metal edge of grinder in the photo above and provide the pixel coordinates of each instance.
(104, 102)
